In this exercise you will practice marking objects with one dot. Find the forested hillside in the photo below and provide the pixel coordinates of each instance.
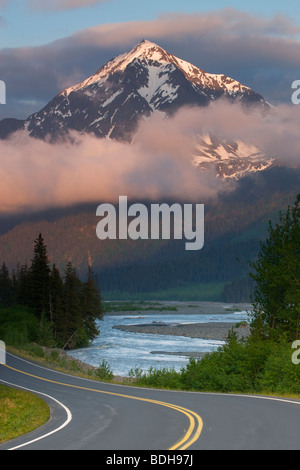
(234, 226)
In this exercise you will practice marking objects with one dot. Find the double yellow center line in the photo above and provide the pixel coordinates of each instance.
(195, 421)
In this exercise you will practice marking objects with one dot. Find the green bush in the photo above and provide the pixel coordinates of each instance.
(281, 375)
(18, 326)
(103, 372)
(162, 378)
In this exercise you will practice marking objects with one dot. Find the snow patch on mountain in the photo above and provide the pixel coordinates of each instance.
(232, 160)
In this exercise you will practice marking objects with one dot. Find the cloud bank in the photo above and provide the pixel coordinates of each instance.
(158, 165)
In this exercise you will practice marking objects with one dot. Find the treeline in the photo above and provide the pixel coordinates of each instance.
(63, 304)
(221, 261)
(239, 290)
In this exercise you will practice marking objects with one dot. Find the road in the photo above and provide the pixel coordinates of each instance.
(92, 415)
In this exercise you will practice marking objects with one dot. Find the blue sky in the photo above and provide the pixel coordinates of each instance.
(47, 45)
(23, 24)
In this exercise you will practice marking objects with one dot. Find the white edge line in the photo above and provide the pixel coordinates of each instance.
(69, 416)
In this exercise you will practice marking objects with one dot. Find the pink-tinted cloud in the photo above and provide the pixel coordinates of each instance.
(55, 5)
(38, 175)
(158, 165)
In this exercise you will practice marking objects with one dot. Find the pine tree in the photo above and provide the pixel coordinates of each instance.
(72, 324)
(56, 293)
(39, 279)
(6, 287)
(21, 283)
(92, 308)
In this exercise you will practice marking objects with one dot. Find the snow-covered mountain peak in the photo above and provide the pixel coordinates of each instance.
(149, 54)
(145, 51)
(151, 51)
(131, 87)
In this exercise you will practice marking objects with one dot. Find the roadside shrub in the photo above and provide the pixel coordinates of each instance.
(281, 375)
(235, 367)
(103, 372)
(18, 326)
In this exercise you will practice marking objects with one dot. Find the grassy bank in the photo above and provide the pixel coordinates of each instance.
(20, 413)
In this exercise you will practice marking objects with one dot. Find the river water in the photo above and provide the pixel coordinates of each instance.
(123, 351)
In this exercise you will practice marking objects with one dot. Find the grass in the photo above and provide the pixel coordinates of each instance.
(20, 412)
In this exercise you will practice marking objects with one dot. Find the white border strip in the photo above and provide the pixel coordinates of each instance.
(68, 420)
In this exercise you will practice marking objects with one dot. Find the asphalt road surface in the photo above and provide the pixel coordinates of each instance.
(91, 415)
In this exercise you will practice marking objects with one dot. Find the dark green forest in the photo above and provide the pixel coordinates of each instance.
(56, 309)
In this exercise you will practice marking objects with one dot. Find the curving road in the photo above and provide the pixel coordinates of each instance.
(88, 415)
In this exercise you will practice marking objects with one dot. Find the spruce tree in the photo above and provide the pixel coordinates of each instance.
(21, 283)
(39, 278)
(56, 293)
(72, 324)
(6, 287)
(92, 307)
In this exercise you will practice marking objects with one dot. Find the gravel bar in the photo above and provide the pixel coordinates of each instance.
(212, 330)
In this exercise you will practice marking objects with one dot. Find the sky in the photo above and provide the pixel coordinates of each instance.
(36, 22)
(49, 45)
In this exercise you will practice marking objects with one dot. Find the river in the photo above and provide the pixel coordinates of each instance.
(123, 351)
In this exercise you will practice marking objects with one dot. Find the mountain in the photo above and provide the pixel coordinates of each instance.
(136, 84)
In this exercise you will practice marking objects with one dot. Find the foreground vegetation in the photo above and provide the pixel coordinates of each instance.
(20, 412)
(250, 366)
